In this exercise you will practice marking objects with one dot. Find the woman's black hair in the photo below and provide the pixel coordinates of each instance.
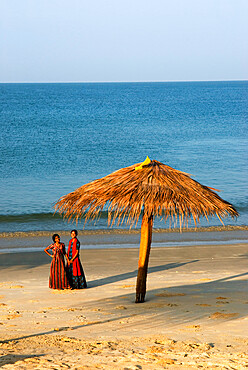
(54, 236)
(75, 231)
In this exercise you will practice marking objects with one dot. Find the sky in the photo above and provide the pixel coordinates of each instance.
(123, 40)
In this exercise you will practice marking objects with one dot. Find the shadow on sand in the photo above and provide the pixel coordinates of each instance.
(131, 274)
(13, 358)
(167, 307)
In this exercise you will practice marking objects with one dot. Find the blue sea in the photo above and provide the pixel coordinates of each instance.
(57, 137)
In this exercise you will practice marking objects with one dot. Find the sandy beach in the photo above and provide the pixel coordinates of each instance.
(195, 314)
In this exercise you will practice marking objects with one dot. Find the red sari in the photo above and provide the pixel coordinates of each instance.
(58, 277)
(76, 272)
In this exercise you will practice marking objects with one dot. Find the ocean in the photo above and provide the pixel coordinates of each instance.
(56, 137)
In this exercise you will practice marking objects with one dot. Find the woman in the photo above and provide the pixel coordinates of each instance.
(76, 272)
(58, 278)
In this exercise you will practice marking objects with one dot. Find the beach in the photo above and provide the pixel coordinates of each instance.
(195, 314)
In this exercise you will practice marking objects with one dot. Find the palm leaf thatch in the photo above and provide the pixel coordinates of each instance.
(162, 190)
(151, 188)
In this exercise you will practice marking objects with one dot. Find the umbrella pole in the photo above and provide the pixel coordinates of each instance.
(144, 252)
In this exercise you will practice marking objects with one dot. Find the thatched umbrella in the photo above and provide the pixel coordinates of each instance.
(150, 188)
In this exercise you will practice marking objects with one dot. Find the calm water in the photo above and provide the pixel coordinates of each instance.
(56, 137)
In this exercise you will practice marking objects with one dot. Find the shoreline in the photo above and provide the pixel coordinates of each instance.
(126, 239)
(26, 249)
(21, 234)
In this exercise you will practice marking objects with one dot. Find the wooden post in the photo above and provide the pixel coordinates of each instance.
(144, 252)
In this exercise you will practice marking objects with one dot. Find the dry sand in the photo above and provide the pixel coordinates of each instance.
(195, 314)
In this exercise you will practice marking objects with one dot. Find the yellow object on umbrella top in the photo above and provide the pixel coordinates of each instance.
(147, 161)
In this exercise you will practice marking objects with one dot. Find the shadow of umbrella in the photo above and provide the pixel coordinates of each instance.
(131, 274)
(170, 307)
(158, 310)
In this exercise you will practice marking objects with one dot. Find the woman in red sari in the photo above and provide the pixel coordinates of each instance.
(76, 273)
(58, 277)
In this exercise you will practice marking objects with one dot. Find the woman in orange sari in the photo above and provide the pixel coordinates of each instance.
(58, 277)
(75, 272)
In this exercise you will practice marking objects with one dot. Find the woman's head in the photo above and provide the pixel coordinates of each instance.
(55, 236)
(74, 233)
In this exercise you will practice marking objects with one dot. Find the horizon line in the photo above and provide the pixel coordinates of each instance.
(92, 82)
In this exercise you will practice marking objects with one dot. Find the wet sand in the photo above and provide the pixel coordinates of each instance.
(126, 238)
(195, 314)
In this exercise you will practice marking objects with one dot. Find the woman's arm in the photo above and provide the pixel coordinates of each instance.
(64, 253)
(73, 258)
(47, 249)
(66, 256)
(77, 252)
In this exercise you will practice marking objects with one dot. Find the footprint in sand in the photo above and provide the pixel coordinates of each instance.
(220, 315)
(165, 341)
(221, 298)
(16, 287)
(221, 302)
(120, 308)
(11, 316)
(165, 294)
(166, 361)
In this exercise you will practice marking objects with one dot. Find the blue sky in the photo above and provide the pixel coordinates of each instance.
(123, 40)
